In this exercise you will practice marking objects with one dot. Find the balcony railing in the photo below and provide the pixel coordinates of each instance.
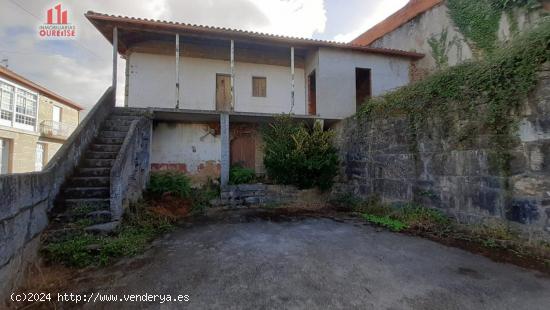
(54, 129)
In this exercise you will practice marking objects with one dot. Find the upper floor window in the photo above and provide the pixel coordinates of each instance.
(259, 87)
(18, 107)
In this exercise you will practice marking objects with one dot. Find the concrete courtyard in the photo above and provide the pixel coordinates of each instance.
(244, 261)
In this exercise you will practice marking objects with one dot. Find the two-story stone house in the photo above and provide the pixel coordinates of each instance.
(211, 89)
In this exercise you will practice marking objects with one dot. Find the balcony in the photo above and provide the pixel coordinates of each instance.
(55, 130)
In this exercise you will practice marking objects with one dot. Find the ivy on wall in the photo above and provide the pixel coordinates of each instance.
(483, 94)
(478, 20)
(440, 47)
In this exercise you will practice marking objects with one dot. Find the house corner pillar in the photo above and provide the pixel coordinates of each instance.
(225, 163)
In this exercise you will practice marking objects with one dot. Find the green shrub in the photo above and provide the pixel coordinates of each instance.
(240, 175)
(201, 197)
(300, 156)
(386, 221)
(172, 182)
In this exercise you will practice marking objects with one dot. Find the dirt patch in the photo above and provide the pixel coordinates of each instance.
(172, 207)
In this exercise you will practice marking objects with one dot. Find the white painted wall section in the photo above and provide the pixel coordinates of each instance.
(180, 143)
(152, 84)
(336, 78)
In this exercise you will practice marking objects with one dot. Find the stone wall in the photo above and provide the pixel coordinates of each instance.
(381, 157)
(255, 194)
(266, 195)
(130, 171)
(26, 198)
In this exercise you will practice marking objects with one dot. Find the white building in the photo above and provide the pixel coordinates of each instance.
(197, 80)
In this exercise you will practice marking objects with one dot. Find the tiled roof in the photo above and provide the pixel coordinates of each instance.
(16, 78)
(101, 21)
(396, 20)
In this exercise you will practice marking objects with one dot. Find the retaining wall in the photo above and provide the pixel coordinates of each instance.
(381, 158)
(26, 199)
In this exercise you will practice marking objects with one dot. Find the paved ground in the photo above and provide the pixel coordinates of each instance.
(316, 264)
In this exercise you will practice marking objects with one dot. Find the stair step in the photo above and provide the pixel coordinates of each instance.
(95, 204)
(105, 140)
(87, 192)
(129, 111)
(97, 163)
(114, 123)
(115, 117)
(100, 216)
(103, 229)
(105, 148)
(93, 172)
(116, 126)
(100, 155)
(102, 181)
(113, 134)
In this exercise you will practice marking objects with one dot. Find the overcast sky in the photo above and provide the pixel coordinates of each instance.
(80, 69)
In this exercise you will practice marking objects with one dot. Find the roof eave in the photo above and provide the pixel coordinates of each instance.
(171, 27)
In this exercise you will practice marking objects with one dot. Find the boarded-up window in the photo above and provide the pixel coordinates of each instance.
(259, 85)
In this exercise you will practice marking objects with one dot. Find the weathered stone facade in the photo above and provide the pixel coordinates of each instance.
(381, 157)
(437, 25)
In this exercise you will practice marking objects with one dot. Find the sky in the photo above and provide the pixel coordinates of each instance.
(80, 69)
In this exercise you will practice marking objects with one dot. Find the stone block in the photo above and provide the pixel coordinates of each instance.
(13, 235)
(530, 185)
(252, 200)
(523, 211)
(38, 220)
(251, 187)
(103, 229)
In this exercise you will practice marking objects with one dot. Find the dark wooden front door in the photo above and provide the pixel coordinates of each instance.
(363, 86)
(312, 94)
(223, 92)
(243, 151)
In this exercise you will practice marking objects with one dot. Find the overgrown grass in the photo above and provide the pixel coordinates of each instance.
(170, 182)
(201, 197)
(169, 198)
(240, 175)
(81, 249)
(386, 221)
(434, 223)
(395, 218)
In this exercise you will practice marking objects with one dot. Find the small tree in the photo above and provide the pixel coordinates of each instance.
(297, 155)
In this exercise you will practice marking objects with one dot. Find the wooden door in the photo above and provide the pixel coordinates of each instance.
(243, 151)
(363, 87)
(223, 92)
(312, 91)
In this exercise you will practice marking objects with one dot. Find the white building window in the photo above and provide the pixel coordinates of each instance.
(7, 93)
(18, 107)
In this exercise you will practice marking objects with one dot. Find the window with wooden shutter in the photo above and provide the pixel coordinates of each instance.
(259, 86)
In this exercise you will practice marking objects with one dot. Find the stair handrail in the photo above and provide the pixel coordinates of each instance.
(131, 166)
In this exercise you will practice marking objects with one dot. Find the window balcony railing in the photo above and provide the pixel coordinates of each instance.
(54, 129)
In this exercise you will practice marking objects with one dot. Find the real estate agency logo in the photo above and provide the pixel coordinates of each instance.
(57, 25)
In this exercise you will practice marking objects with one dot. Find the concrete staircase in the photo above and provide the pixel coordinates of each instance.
(87, 193)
